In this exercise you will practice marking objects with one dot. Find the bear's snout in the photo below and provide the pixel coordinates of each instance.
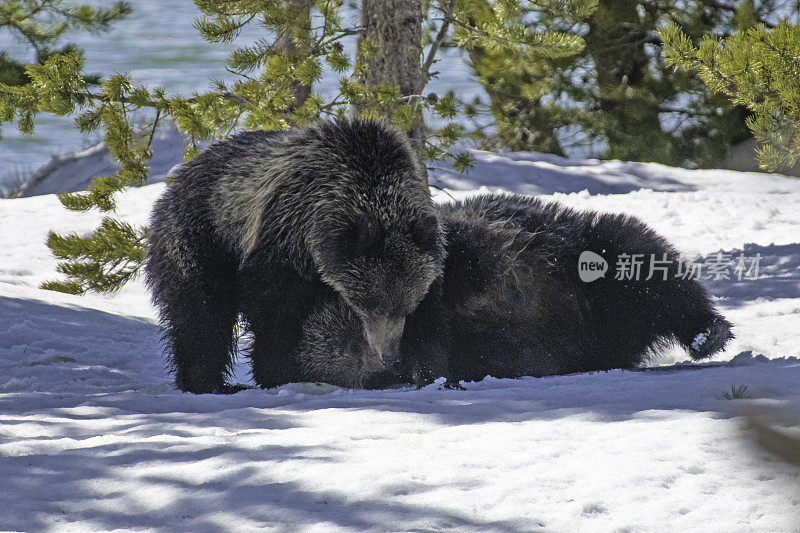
(383, 333)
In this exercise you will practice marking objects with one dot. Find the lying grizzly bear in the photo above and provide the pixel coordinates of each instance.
(515, 305)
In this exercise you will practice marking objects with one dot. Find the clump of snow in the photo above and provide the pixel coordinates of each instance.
(94, 437)
(699, 340)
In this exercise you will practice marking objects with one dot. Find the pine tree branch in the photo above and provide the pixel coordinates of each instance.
(685, 111)
(437, 42)
(483, 33)
(733, 9)
(346, 32)
(80, 95)
(238, 73)
(153, 129)
(34, 43)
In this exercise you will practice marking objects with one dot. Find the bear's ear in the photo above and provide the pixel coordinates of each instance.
(425, 231)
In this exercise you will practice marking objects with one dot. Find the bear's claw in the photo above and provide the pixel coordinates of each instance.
(711, 340)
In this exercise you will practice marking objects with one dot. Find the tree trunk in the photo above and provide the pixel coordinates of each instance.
(395, 26)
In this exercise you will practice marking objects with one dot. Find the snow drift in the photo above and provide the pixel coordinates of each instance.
(93, 436)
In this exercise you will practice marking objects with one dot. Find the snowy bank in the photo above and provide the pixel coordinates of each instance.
(74, 171)
(93, 436)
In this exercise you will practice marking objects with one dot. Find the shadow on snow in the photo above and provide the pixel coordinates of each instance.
(121, 431)
(778, 274)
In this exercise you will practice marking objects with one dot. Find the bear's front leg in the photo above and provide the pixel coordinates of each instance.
(425, 341)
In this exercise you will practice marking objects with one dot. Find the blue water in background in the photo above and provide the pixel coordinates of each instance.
(158, 46)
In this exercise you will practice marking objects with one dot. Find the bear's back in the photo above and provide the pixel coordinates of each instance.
(514, 307)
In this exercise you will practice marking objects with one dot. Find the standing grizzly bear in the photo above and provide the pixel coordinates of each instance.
(269, 224)
(515, 304)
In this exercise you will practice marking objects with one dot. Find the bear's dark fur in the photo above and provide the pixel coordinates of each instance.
(627, 317)
(270, 224)
(515, 304)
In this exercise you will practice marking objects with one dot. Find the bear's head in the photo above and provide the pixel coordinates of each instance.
(375, 236)
(334, 349)
(381, 266)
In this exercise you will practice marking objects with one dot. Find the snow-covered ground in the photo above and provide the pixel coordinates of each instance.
(93, 436)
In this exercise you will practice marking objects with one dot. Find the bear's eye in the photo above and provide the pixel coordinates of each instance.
(359, 237)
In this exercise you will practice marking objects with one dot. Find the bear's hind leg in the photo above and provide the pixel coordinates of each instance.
(655, 304)
(702, 331)
(197, 305)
